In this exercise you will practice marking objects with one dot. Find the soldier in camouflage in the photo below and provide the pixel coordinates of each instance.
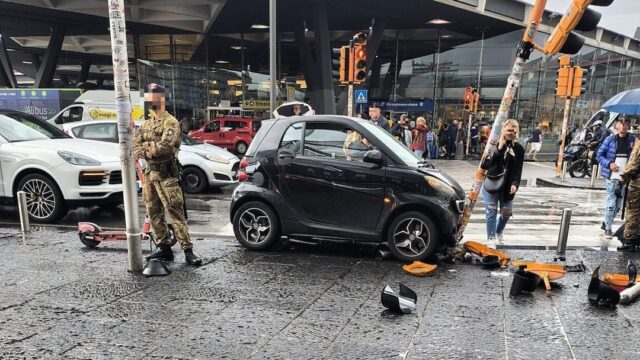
(157, 143)
(632, 221)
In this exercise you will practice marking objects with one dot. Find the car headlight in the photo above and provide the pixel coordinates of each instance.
(215, 158)
(77, 159)
(440, 186)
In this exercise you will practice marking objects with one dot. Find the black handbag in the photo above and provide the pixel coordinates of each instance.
(494, 184)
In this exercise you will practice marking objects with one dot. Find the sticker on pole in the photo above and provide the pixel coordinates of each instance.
(362, 96)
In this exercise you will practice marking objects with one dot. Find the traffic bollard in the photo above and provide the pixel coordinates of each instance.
(564, 171)
(594, 175)
(22, 209)
(564, 233)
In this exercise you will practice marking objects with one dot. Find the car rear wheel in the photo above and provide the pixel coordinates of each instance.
(256, 226)
(194, 180)
(241, 147)
(412, 236)
(45, 203)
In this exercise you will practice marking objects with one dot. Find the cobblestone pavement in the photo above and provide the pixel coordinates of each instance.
(59, 300)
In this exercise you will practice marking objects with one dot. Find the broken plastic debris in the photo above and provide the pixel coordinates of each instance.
(600, 293)
(575, 268)
(156, 267)
(418, 268)
(402, 303)
(500, 273)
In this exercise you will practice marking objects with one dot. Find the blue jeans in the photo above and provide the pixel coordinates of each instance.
(433, 150)
(418, 153)
(491, 202)
(613, 204)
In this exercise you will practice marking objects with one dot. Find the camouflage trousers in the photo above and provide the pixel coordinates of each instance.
(632, 213)
(166, 195)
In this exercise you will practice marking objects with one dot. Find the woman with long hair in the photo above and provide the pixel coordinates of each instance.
(418, 143)
(504, 171)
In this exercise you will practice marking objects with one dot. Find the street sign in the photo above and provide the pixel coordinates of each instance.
(362, 96)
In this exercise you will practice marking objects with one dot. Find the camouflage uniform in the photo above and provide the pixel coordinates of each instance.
(630, 176)
(158, 141)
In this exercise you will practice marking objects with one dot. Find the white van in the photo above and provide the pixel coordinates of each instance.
(96, 105)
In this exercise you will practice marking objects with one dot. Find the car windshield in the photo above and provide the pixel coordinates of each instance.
(396, 147)
(16, 127)
(186, 140)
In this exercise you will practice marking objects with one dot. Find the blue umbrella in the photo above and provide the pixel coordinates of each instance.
(626, 102)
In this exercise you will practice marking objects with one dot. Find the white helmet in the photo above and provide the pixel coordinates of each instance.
(597, 123)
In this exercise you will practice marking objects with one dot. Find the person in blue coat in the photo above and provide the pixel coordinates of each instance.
(613, 155)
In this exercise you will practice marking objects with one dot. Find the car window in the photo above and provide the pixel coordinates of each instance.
(334, 141)
(100, 132)
(18, 126)
(255, 125)
(233, 125)
(292, 138)
(213, 126)
(77, 131)
(70, 115)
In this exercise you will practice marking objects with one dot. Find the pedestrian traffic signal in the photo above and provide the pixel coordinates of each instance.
(359, 63)
(579, 81)
(578, 17)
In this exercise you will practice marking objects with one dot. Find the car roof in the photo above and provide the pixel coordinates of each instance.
(318, 118)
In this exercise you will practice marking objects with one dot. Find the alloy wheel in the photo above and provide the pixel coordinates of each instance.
(411, 237)
(41, 201)
(254, 225)
(192, 181)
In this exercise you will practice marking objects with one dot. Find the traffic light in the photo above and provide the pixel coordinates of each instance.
(476, 102)
(578, 17)
(468, 99)
(341, 65)
(359, 63)
(579, 81)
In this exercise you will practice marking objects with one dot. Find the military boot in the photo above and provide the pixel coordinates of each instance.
(630, 244)
(163, 253)
(191, 258)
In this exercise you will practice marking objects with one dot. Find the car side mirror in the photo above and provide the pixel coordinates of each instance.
(285, 157)
(373, 157)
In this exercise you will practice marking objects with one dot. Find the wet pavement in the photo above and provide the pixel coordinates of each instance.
(60, 300)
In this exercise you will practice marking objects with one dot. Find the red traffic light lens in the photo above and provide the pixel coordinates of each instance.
(361, 53)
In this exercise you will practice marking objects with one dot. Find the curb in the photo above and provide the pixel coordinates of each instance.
(553, 182)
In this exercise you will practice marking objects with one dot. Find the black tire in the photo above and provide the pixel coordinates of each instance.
(45, 203)
(85, 239)
(256, 226)
(241, 147)
(579, 168)
(194, 180)
(421, 238)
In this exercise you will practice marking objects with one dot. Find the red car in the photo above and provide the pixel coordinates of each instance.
(232, 133)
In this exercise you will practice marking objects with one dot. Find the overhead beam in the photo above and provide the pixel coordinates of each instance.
(44, 77)
(85, 65)
(7, 76)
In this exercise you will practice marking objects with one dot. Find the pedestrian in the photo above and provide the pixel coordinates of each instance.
(504, 171)
(452, 138)
(376, 117)
(598, 134)
(613, 156)
(475, 136)
(536, 142)
(631, 177)
(401, 131)
(157, 143)
(418, 144)
(432, 146)
(442, 140)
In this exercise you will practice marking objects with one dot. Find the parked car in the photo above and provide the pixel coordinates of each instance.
(231, 133)
(337, 178)
(56, 171)
(204, 165)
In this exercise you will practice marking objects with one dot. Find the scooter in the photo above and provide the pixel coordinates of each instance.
(91, 235)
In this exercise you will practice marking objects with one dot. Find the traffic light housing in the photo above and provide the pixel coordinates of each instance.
(579, 82)
(563, 84)
(342, 66)
(578, 17)
(468, 99)
(359, 63)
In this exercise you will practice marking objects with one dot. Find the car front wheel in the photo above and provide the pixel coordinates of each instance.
(412, 236)
(194, 180)
(241, 147)
(44, 200)
(256, 226)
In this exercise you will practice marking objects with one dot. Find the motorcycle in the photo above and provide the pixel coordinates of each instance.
(579, 162)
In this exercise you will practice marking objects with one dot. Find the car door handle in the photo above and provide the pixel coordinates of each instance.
(355, 188)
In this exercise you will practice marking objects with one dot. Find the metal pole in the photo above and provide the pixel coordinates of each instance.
(172, 54)
(564, 233)
(272, 54)
(480, 63)
(22, 209)
(125, 131)
(350, 99)
(242, 65)
(564, 171)
(469, 132)
(435, 80)
(563, 135)
(396, 71)
(594, 175)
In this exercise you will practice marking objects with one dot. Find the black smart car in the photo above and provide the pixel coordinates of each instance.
(335, 178)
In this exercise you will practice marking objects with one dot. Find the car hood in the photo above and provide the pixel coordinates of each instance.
(100, 151)
(447, 179)
(208, 149)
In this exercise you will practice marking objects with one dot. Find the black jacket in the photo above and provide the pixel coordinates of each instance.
(512, 163)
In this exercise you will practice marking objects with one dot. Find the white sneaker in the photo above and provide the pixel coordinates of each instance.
(491, 243)
(500, 238)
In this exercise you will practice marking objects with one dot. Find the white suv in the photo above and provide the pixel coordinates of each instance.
(56, 171)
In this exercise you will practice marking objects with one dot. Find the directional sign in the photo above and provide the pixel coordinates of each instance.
(362, 96)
